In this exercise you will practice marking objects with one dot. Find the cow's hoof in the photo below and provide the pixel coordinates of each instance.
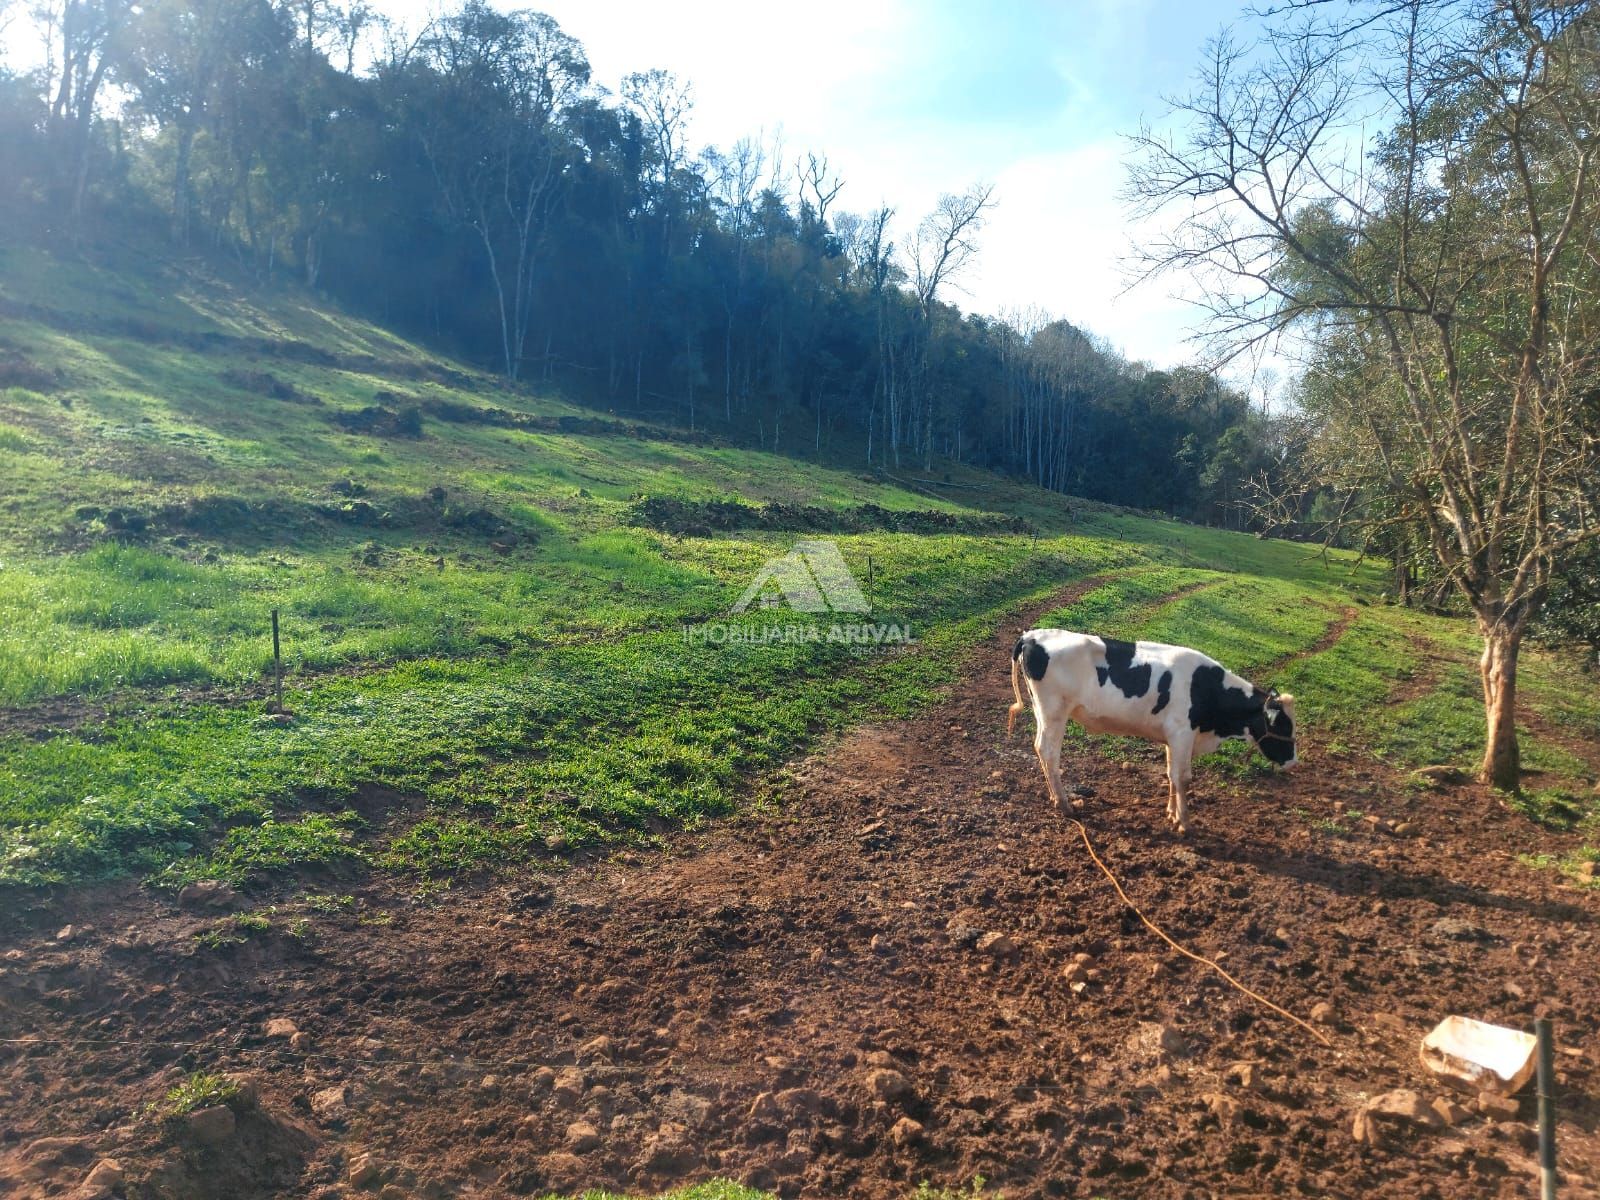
(1077, 804)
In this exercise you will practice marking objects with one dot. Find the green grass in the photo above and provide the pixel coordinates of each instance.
(723, 1189)
(203, 1089)
(715, 1189)
(973, 1191)
(1556, 808)
(234, 930)
(1570, 865)
(464, 703)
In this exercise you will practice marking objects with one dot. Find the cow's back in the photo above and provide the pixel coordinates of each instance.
(1140, 689)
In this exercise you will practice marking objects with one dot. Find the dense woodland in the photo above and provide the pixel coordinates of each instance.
(469, 184)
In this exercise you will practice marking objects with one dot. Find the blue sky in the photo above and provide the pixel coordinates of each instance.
(912, 99)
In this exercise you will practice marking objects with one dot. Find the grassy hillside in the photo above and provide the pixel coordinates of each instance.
(483, 616)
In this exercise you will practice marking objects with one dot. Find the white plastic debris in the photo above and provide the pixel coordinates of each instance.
(1478, 1057)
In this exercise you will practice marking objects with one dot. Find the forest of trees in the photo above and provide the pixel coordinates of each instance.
(469, 184)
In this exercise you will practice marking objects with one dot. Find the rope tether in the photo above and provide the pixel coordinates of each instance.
(1156, 929)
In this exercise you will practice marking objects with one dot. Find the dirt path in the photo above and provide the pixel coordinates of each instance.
(1330, 636)
(806, 999)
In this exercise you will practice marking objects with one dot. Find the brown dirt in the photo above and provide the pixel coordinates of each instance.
(805, 949)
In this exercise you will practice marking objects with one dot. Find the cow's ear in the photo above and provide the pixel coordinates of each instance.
(1286, 702)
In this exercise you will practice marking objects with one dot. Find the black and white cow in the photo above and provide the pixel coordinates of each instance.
(1167, 694)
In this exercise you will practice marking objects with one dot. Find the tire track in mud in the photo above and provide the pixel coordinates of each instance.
(1327, 640)
(1147, 610)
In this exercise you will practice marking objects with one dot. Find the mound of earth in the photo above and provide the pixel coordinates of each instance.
(578, 426)
(237, 520)
(265, 383)
(377, 420)
(700, 518)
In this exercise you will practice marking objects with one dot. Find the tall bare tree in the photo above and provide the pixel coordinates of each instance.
(946, 241)
(495, 87)
(943, 246)
(736, 181)
(1406, 188)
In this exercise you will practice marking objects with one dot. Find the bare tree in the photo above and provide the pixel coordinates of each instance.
(819, 185)
(736, 181)
(869, 250)
(946, 241)
(1407, 187)
(663, 104)
(491, 136)
(943, 246)
(352, 24)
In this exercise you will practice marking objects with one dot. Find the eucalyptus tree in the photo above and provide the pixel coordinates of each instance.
(485, 93)
(943, 246)
(182, 60)
(86, 37)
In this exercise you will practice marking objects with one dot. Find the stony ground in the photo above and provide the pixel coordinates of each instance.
(813, 999)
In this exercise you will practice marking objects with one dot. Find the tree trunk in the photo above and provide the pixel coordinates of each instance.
(180, 186)
(1502, 763)
(482, 226)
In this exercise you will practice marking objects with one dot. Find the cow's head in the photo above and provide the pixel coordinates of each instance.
(1273, 729)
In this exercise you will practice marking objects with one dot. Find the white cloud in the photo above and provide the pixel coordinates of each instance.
(1059, 239)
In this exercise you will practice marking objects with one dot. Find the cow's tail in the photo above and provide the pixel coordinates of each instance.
(1016, 690)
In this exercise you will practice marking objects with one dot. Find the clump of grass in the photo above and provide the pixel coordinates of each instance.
(1333, 826)
(712, 1189)
(1578, 866)
(317, 840)
(973, 1191)
(328, 904)
(1574, 866)
(235, 930)
(1553, 808)
(203, 1089)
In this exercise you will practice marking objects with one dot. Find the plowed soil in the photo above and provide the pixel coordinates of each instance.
(808, 999)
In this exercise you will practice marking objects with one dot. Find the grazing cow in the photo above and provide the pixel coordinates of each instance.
(1167, 694)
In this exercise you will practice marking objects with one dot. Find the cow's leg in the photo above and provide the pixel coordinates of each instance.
(1179, 772)
(1050, 726)
(1172, 790)
(1181, 814)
